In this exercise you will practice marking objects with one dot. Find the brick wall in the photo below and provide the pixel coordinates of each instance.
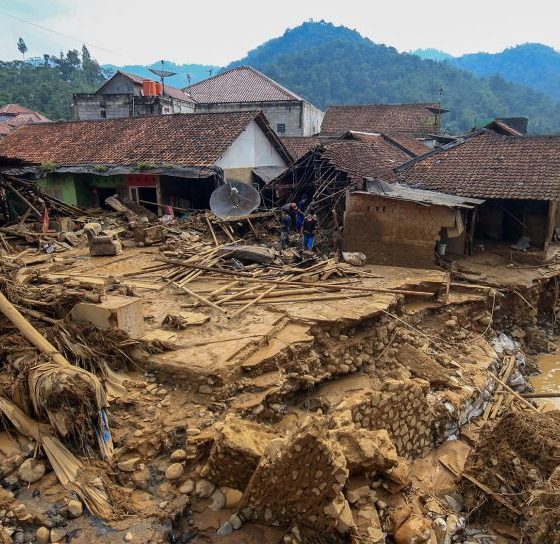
(392, 232)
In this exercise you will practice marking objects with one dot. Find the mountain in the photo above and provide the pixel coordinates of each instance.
(196, 72)
(432, 54)
(330, 64)
(532, 64)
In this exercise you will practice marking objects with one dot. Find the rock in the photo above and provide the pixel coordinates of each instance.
(43, 535)
(205, 389)
(174, 471)
(178, 455)
(204, 488)
(31, 470)
(414, 530)
(129, 537)
(75, 508)
(218, 500)
(233, 496)
(397, 517)
(187, 488)
(398, 477)
(235, 521)
(58, 534)
(129, 465)
(225, 530)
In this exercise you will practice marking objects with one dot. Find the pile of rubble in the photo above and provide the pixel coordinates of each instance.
(187, 380)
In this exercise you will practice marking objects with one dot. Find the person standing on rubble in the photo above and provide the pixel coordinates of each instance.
(286, 227)
(300, 212)
(309, 228)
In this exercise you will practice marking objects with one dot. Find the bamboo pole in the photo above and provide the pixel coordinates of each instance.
(199, 297)
(211, 230)
(514, 393)
(254, 301)
(31, 333)
(250, 278)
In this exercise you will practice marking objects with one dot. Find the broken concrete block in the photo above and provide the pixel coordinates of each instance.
(414, 530)
(236, 452)
(398, 477)
(116, 312)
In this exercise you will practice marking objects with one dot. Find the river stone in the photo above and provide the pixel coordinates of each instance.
(187, 488)
(76, 508)
(57, 534)
(204, 488)
(31, 470)
(178, 455)
(129, 465)
(129, 537)
(225, 530)
(174, 471)
(43, 535)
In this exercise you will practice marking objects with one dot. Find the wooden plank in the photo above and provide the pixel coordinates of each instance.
(199, 297)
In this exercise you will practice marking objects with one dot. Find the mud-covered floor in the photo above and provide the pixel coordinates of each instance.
(228, 435)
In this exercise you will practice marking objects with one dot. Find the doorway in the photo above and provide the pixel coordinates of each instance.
(146, 196)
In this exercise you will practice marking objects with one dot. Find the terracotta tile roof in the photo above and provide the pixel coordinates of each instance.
(408, 144)
(14, 109)
(241, 84)
(358, 159)
(488, 165)
(415, 119)
(197, 139)
(13, 116)
(298, 146)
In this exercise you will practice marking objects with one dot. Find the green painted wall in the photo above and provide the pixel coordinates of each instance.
(60, 186)
(77, 189)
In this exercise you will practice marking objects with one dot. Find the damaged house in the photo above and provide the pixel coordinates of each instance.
(419, 121)
(517, 176)
(169, 159)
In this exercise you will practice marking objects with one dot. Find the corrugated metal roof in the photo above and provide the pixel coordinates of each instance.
(396, 191)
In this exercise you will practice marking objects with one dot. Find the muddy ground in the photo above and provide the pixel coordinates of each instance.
(369, 419)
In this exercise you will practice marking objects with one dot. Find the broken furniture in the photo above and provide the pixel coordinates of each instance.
(116, 312)
(101, 243)
(148, 235)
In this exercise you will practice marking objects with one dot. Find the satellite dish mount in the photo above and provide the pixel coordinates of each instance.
(162, 74)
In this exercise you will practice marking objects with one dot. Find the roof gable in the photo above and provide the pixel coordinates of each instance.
(487, 165)
(198, 139)
(170, 91)
(240, 84)
(387, 118)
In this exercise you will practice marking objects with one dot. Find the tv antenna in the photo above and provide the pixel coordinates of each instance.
(162, 74)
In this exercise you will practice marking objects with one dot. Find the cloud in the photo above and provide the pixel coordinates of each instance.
(218, 31)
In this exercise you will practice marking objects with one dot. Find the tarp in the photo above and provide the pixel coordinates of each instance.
(268, 173)
(397, 191)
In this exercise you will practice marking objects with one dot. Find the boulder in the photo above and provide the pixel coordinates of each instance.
(31, 470)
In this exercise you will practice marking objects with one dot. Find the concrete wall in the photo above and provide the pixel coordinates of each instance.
(392, 232)
(312, 119)
(299, 118)
(252, 148)
(120, 84)
(111, 106)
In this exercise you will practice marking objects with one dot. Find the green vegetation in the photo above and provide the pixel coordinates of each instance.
(144, 165)
(432, 54)
(336, 65)
(532, 64)
(46, 85)
(48, 167)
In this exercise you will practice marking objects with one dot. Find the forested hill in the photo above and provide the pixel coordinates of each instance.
(336, 65)
(532, 64)
(46, 85)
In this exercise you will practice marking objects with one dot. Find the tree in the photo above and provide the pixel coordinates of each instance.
(21, 45)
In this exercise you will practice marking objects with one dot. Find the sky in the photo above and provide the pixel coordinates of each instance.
(219, 31)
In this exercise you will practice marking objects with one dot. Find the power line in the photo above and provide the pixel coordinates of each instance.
(58, 33)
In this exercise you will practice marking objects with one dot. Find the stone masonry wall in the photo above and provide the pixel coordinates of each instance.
(401, 408)
(392, 232)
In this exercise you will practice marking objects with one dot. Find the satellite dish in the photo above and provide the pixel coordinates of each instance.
(234, 199)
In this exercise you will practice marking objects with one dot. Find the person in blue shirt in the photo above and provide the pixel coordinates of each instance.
(309, 228)
(300, 213)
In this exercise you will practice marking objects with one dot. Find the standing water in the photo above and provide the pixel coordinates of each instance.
(549, 379)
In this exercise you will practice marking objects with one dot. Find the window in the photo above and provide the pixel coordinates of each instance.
(281, 128)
